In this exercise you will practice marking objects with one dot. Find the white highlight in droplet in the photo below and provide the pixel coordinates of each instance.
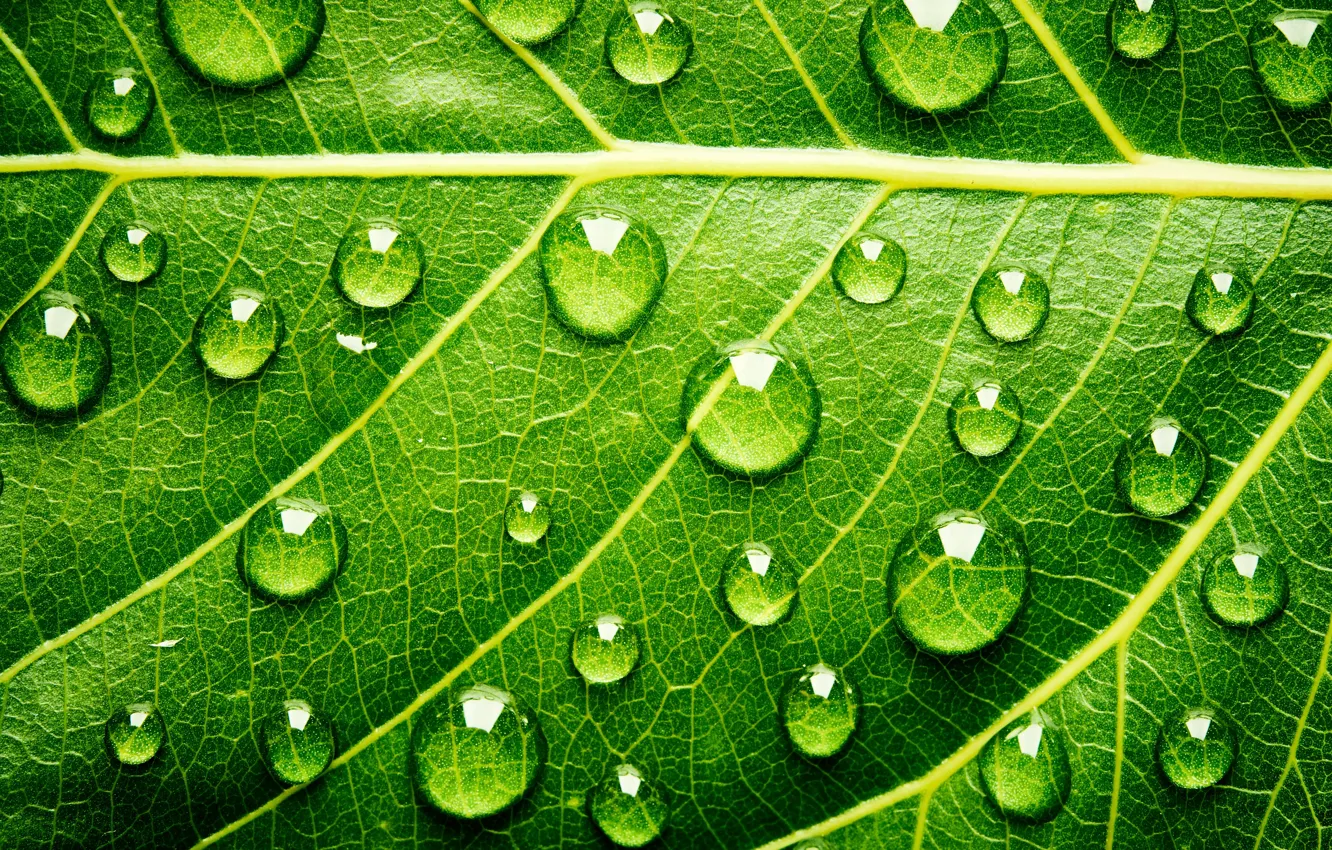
(1198, 727)
(1246, 564)
(758, 561)
(960, 539)
(608, 631)
(1029, 739)
(59, 320)
(932, 14)
(1012, 281)
(872, 248)
(604, 234)
(753, 368)
(987, 396)
(297, 520)
(1299, 31)
(1222, 281)
(122, 85)
(382, 238)
(356, 343)
(1145, 6)
(1164, 439)
(529, 503)
(482, 712)
(649, 21)
(137, 718)
(822, 683)
(136, 235)
(243, 308)
(630, 782)
(166, 644)
(297, 718)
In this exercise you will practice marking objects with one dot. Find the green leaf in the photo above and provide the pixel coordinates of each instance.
(1115, 183)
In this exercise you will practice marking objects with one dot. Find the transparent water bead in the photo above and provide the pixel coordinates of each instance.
(605, 650)
(134, 734)
(527, 518)
(647, 45)
(1011, 303)
(291, 549)
(297, 743)
(1025, 770)
(629, 807)
(1220, 301)
(238, 334)
(476, 752)
(119, 104)
(1141, 29)
(1292, 57)
(933, 55)
(242, 46)
(133, 253)
(1196, 748)
(985, 419)
(1245, 588)
(1160, 470)
(378, 265)
(759, 588)
(869, 268)
(955, 584)
(766, 416)
(54, 355)
(529, 21)
(819, 711)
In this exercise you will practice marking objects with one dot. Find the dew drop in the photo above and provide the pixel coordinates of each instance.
(378, 265)
(135, 733)
(1245, 588)
(605, 650)
(1140, 29)
(1221, 300)
(1011, 304)
(297, 743)
(238, 334)
(955, 583)
(1161, 469)
(529, 21)
(766, 417)
(819, 711)
(527, 518)
(133, 253)
(646, 45)
(476, 752)
(54, 355)
(1292, 56)
(629, 807)
(1025, 770)
(119, 104)
(1196, 748)
(759, 588)
(986, 418)
(869, 268)
(291, 549)
(812, 844)
(242, 45)
(604, 271)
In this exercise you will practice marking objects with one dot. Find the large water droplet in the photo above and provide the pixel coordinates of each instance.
(1025, 770)
(119, 103)
(759, 588)
(819, 711)
(476, 752)
(133, 253)
(134, 734)
(1161, 469)
(378, 265)
(242, 45)
(766, 417)
(238, 334)
(955, 583)
(603, 271)
(933, 55)
(527, 518)
(529, 21)
(1221, 300)
(1011, 303)
(986, 418)
(629, 807)
(1140, 29)
(646, 44)
(54, 356)
(605, 650)
(1246, 588)
(869, 268)
(297, 743)
(291, 549)
(1292, 56)
(1196, 748)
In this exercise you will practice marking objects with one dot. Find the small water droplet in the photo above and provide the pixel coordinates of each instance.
(1245, 588)
(527, 518)
(759, 588)
(476, 752)
(133, 253)
(1196, 748)
(933, 55)
(1161, 469)
(134, 734)
(1221, 300)
(529, 21)
(869, 268)
(985, 419)
(1025, 770)
(1292, 56)
(54, 356)
(765, 419)
(238, 334)
(812, 844)
(242, 46)
(291, 549)
(604, 271)
(819, 711)
(955, 583)
(119, 103)
(378, 265)
(646, 44)
(629, 807)
(605, 650)
(1011, 304)
(297, 743)
(1140, 29)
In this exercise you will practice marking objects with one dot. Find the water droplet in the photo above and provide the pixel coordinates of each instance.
(378, 265)
(477, 752)
(238, 334)
(1246, 588)
(242, 46)
(956, 584)
(629, 807)
(1025, 770)
(986, 418)
(1292, 56)
(819, 711)
(527, 518)
(119, 103)
(291, 549)
(812, 844)
(1140, 29)
(529, 21)
(603, 271)
(1011, 303)
(1221, 300)
(766, 417)
(646, 45)
(135, 733)
(759, 588)
(869, 268)
(297, 743)
(133, 253)
(1196, 748)
(1161, 469)
(54, 356)
(933, 55)
(605, 650)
